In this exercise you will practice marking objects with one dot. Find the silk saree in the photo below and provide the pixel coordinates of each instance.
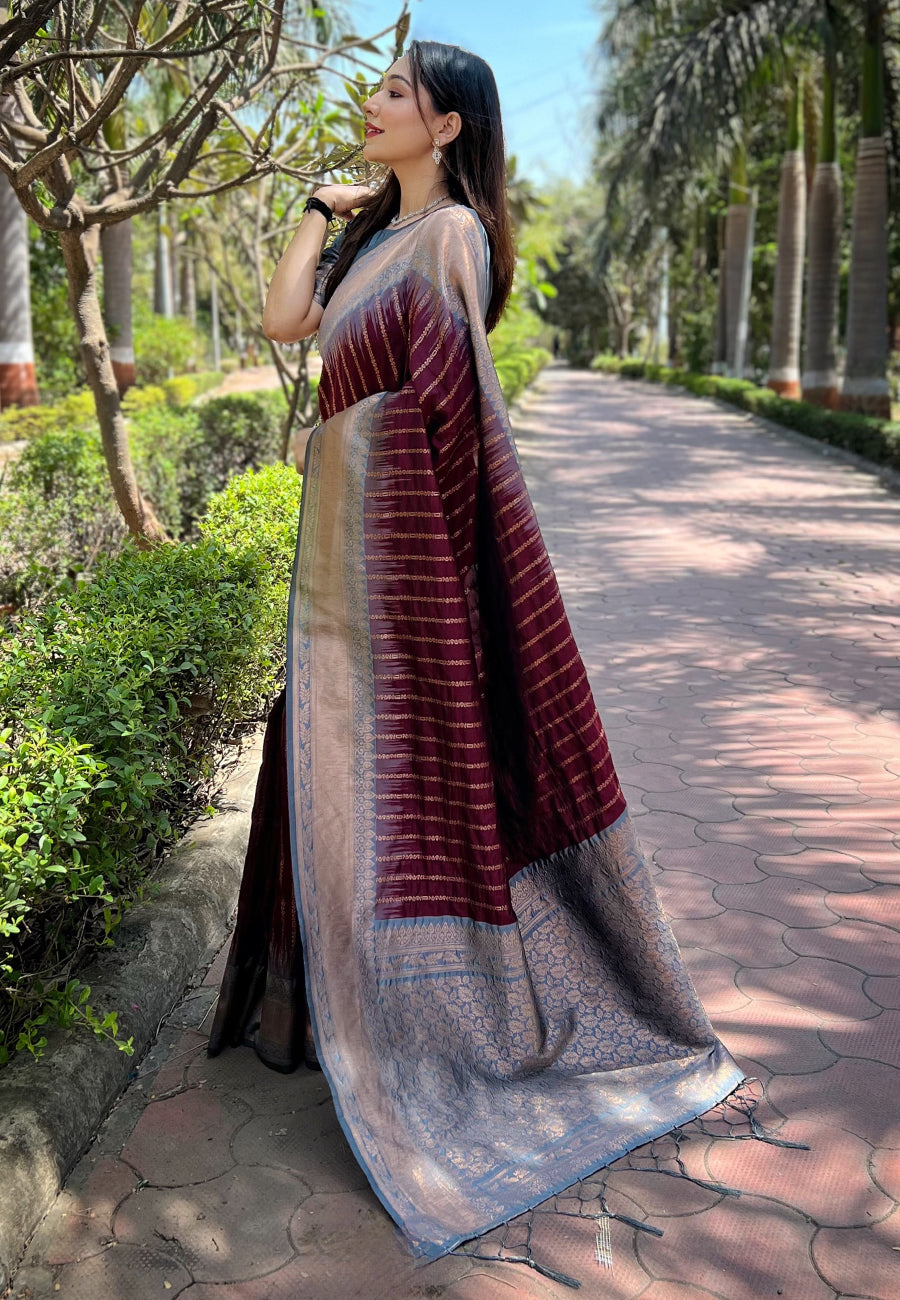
(496, 997)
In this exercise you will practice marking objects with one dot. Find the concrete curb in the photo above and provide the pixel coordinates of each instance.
(51, 1109)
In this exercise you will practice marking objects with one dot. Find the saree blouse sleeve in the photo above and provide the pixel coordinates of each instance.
(326, 262)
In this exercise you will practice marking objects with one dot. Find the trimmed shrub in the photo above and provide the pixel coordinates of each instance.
(182, 389)
(164, 343)
(57, 511)
(235, 433)
(112, 699)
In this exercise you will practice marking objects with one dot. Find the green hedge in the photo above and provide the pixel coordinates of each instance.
(517, 368)
(876, 440)
(112, 698)
(78, 408)
(57, 513)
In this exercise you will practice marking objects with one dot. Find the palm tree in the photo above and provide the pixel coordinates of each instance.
(866, 385)
(688, 72)
(784, 363)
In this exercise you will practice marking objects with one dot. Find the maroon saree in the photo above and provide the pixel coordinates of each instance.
(498, 1001)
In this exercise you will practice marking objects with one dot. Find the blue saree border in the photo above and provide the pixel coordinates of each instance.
(298, 664)
(710, 1074)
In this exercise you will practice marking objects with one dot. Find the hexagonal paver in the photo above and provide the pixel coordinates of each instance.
(872, 949)
(860, 1261)
(829, 1182)
(782, 1037)
(744, 937)
(185, 1138)
(761, 834)
(727, 864)
(239, 1072)
(685, 895)
(880, 904)
(795, 902)
(875, 1040)
(885, 1168)
(713, 1248)
(883, 990)
(826, 869)
(310, 1142)
(828, 989)
(713, 976)
(326, 1224)
(81, 1223)
(230, 1228)
(859, 1096)
(138, 1272)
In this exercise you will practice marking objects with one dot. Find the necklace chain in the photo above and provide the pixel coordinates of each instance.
(393, 221)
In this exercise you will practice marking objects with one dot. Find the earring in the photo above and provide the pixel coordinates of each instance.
(436, 152)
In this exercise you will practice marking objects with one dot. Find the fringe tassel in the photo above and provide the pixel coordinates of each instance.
(591, 1191)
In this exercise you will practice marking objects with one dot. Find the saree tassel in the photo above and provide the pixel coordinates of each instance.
(603, 1243)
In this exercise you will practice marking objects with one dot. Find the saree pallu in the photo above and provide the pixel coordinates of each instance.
(497, 999)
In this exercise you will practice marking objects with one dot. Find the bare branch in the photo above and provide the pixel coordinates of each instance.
(17, 31)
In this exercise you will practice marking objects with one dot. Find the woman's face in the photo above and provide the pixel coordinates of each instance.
(401, 135)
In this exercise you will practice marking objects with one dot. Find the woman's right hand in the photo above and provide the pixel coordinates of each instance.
(343, 198)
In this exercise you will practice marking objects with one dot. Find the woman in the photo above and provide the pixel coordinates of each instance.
(496, 999)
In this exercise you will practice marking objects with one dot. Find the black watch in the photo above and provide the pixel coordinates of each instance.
(320, 206)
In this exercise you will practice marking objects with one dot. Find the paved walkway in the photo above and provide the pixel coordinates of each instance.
(735, 595)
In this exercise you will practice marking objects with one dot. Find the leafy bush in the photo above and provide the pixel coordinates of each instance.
(163, 344)
(58, 363)
(28, 421)
(517, 359)
(111, 700)
(182, 389)
(143, 396)
(57, 514)
(57, 511)
(516, 373)
(235, 433)
(876, 440)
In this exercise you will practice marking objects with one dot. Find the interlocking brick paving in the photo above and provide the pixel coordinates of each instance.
(735, 595)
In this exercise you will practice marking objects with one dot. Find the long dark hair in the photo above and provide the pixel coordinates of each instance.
(475, 162)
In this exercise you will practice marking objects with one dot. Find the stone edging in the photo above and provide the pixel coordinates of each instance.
(51, 1109)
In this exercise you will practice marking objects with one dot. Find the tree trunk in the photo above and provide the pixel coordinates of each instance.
(738, 233)
(826, 221)
(739, 225)
(18, 384)
(175, 269)
(115, 250)
(663, 331)
(80, 249)
(189, 286)
(720, 348)
(162, 282)
(784, 361)
(214, 319)
(866, 386)
(787, 314)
